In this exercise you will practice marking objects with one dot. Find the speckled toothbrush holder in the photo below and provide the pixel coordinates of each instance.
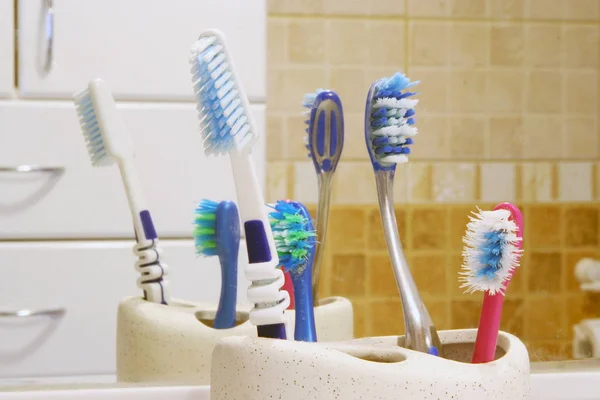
(371, 368)
(174, 343)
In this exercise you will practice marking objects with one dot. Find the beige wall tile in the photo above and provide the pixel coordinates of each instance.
(277, 181)
(294, 137)
(498, 182)
(582, 10)
(507, 9)
(276, 145)
(295, 6)
(582, 137)
(467, 137)
(468, 8)
(354, 183)
(536, 182)
(543, 137)
(286, 86)
(433, 138)
(345, 7)
(305, 182)
(507, 44)
(433, 89)
(347, 42)
(387, 8)
(387, 44)
(543, 45)
(468, 91)
(505, 90)
(277, 37)
(349, 84)
(420, 182)
(581, 46)
(575, 181)
(469, 43)
(506, 137)
(428, 8)
(305, 41)
(453, 182)
(582, 92)
(546, 9)
(355, 148)
(429, 43)
(544, 91)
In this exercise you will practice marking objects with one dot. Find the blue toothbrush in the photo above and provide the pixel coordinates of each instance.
(324, 141)
(217, 233)
(295, 239)
(227, 127)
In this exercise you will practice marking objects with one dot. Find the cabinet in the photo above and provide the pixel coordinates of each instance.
(90, 202)
(139, 47)
(65, 231)
(7, 51)
(87, 279)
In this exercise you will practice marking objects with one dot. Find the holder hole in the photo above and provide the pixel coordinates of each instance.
(324, 302)
(378, 356)
(208, 317)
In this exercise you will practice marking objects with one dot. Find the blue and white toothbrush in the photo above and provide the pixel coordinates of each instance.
(295, 239)
(217, 233)
(389, 129)
(324, 141)
(227, 127)
(107, 142)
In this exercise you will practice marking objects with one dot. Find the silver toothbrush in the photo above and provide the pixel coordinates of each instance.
(324, 141)
(388, 131)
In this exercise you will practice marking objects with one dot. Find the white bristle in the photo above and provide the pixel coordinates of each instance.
(90, 129)
(404, 130)
(482, 223)
(225, 122)
(389, 102)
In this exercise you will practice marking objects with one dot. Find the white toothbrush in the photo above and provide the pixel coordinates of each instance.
(108, 142)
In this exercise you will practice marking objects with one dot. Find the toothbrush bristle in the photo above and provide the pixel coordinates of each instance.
(392, 119)
(224, 120)
(292, 232)
(491, 251)
(205, 223)
(92, 135)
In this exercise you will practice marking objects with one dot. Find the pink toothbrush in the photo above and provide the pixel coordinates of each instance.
(494, 242)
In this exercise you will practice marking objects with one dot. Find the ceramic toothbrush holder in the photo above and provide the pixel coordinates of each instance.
(371, 368)
(174, 343)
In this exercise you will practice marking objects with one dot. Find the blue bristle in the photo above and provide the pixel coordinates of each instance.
(385, 116)
(91, 130)
(291, 232)
(224, 119)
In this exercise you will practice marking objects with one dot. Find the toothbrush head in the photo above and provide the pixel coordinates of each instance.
(389, 121)
(492, 251)
(226, 122)
(216, 227)
(325, 129)
(307, 102)
(294, 235)
(102, 127)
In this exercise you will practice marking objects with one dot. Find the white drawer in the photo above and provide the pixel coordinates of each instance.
(87, 202)
(140, 47)
(88, 279)
(7, 51)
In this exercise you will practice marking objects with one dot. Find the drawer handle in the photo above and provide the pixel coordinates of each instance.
(33, 168)
(49, 35)
(43, 312)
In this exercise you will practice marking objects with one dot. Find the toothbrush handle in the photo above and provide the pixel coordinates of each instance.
(228, 248)
(304, 328)
(491, 310)
(321, 228)
(149, 264)
(420, 332)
